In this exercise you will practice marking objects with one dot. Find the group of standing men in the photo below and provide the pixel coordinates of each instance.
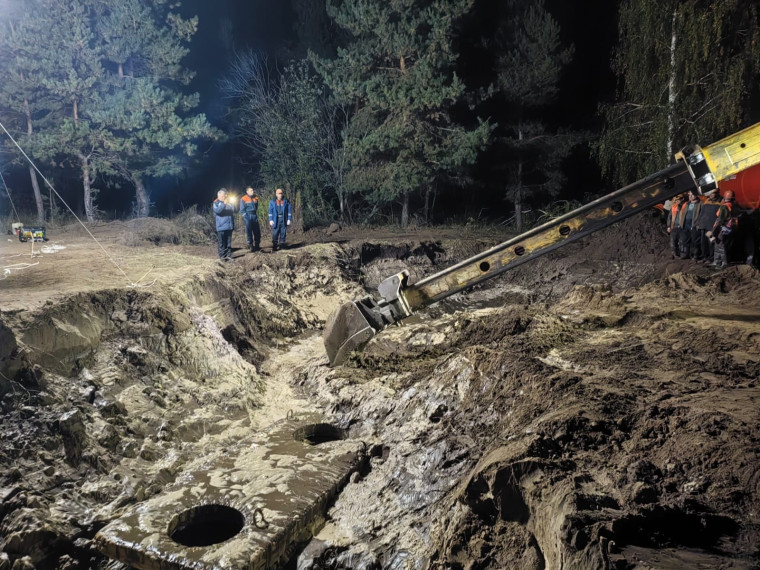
(280, 217)
(704, 228)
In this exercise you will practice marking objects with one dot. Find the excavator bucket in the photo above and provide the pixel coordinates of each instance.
(346, 329)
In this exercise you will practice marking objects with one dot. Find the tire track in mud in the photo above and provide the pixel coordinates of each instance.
(280, 367)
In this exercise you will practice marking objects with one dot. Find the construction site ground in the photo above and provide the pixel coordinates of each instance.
(595, 408)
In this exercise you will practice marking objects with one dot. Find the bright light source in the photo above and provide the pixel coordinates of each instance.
(232, 199)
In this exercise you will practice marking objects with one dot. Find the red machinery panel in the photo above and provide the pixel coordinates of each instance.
(746, 187)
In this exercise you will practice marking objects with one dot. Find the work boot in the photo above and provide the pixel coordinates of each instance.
(250, 247)
(274, 247)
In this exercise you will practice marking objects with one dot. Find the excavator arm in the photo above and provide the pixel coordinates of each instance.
(353, 324)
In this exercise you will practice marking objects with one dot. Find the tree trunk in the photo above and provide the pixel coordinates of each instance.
(37, 195)
(519, 206)
(52, 206)
(32, 172)
(405, 211)
(672, 88)
(426, 210)
(143, 198)
(297, 205)
(86, 183)
(519, 191)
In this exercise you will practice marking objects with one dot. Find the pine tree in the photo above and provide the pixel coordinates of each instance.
(685, 71)
(154, 135)
(528, 75)
(289, 125)
(110, 75)
(397, 73)
(24, 106)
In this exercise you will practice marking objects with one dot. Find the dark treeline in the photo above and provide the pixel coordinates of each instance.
(407, 111)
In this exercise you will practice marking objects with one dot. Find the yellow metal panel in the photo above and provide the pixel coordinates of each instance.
(735, 153)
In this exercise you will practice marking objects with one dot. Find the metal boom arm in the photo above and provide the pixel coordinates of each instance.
(354, 323)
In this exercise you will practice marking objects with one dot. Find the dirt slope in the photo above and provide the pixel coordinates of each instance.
(596, 408)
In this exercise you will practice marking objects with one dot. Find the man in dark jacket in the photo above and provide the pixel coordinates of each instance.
(225, 223)
(722, 231)
(705, 220)
(249, 205)
(280, 216)
(687, 220)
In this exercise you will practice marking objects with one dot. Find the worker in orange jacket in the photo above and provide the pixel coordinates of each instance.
(249, 207)
(673, 226)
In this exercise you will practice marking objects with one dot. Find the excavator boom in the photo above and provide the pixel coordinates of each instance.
(353, 324)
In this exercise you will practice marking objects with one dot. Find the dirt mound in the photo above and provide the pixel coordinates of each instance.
(613, 425)
(187, 230)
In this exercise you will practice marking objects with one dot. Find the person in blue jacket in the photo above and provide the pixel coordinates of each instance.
(249, 205)
(225, 223)
(280, 217)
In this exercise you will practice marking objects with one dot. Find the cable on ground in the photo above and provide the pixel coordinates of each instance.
(131, 284)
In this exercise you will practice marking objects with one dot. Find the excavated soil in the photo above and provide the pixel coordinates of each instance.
(596, 408)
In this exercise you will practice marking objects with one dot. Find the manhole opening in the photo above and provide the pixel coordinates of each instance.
(206, 525)
(484, 266)
(617, 207)
(564, 230)
(519, 250)
(315, 434)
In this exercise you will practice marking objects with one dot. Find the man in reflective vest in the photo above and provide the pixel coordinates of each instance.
(673, 227)
(249, 206)
(280, 216)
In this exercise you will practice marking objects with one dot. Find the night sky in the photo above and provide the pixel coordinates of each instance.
(266, 26)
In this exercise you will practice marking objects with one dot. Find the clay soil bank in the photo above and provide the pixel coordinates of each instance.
(596, 408)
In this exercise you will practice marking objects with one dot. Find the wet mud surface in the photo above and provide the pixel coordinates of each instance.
(597, 408)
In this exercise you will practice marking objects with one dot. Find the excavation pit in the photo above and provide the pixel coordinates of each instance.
(242, 506)
(317, 434)
(206, 525)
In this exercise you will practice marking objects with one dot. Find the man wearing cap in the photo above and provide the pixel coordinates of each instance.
(225, 223)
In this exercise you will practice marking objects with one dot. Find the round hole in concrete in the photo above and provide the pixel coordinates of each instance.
(315, 434)
(617, 207)
(206, 525)
(564, 230)
(519, 250)
(484, 266)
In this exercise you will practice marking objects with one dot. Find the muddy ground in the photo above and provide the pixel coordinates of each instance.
(596, 408)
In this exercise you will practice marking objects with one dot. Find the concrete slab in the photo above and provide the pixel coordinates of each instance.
(244, 508)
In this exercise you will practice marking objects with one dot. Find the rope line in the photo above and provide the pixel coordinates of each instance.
(66, 204)
(18, 219)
